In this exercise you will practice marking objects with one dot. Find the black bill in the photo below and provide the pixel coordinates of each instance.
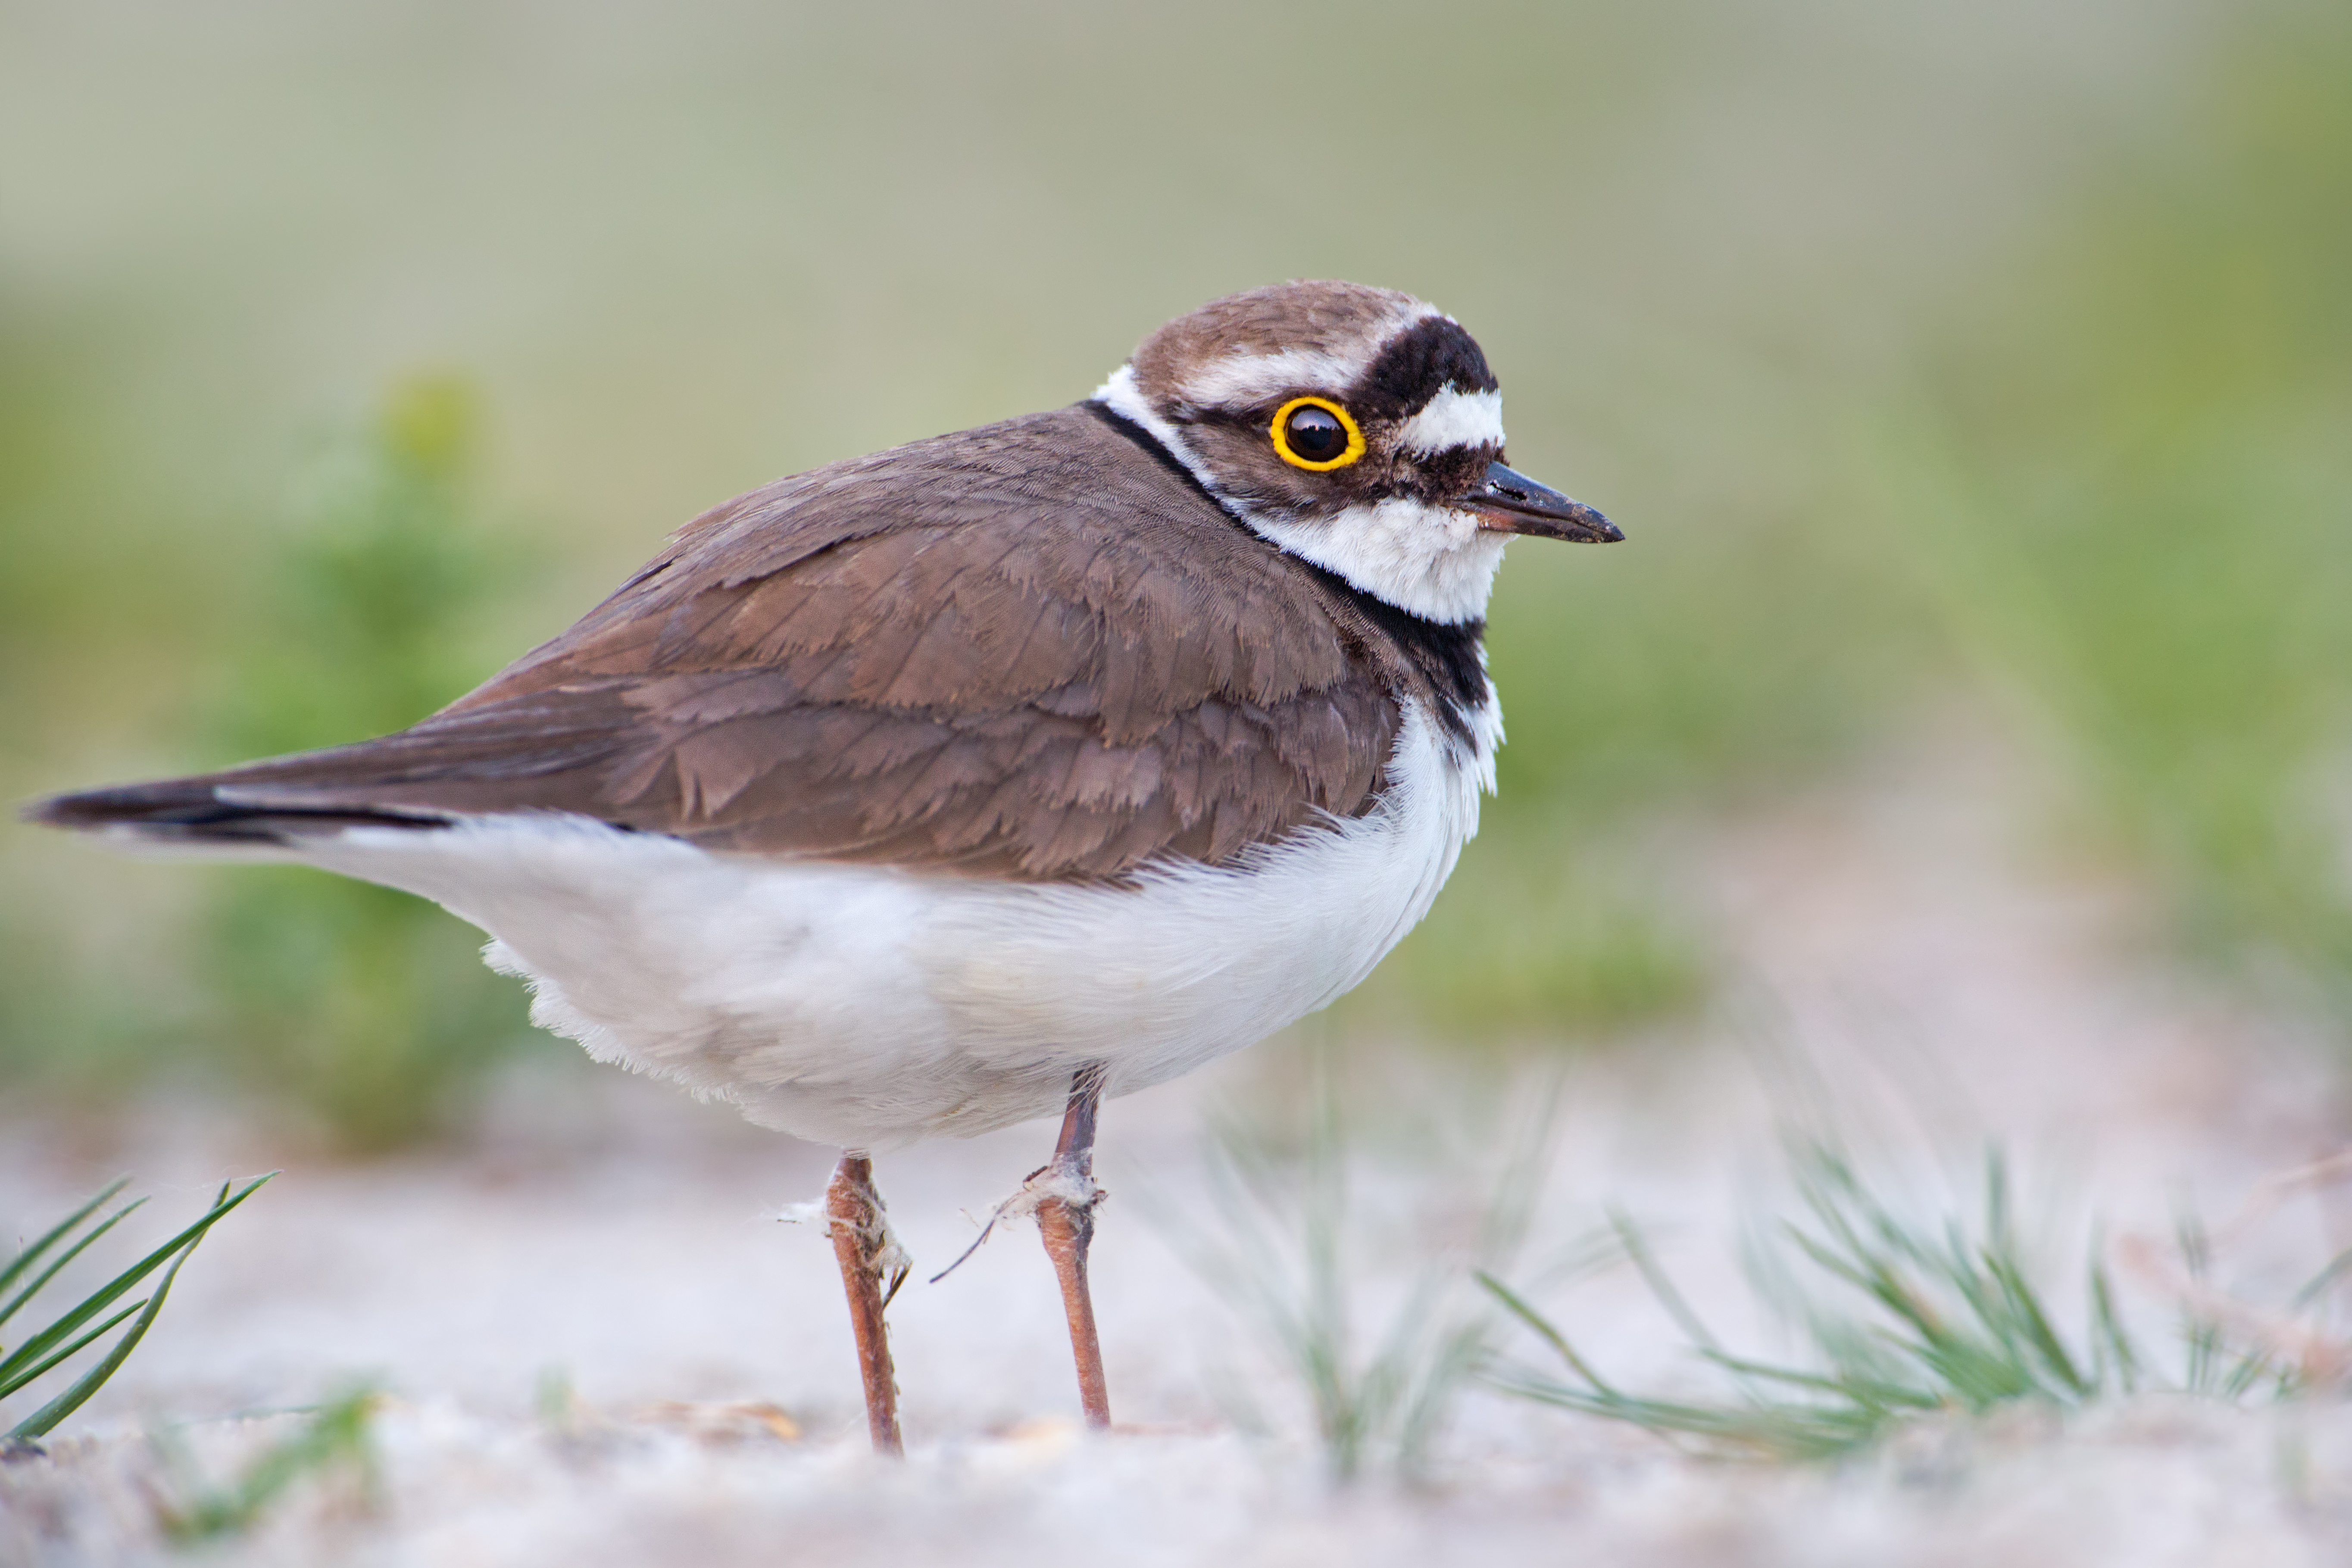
(1511, 502)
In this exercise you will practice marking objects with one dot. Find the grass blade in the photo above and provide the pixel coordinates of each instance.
(70, 1253)
(23, 1260)
(2115, 1347)
(336, 1436)
(58, 1333)
(2320, 1283)
(1519, 1307)
(40, 1421)
(60, 1357)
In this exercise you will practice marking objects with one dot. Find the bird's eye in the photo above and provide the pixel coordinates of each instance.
(1316, 434)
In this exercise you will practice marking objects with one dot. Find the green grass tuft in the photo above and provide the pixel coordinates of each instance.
(1286, 1254)
(70, 1332)
(1899, 1320)
(334, 1440)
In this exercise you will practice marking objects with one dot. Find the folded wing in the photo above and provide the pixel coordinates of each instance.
(1028, 650)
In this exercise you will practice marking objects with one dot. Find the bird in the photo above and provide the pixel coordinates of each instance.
(990, 776)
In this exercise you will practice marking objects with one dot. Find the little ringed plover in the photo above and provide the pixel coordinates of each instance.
(936, 790)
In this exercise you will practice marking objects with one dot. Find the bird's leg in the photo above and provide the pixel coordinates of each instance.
(863, 1243)
(1065, 1218)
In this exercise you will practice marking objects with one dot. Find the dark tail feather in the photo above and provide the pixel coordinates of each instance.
(203, 811)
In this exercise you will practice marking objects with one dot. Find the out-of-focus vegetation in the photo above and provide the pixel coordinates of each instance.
(1282, 1244)
(2115, 475)
(366, 1009)
(364, 1013)
(2136, 501)
(334, 1440)
(1912, 345)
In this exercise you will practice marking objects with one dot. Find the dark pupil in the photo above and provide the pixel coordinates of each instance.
(1316, 434)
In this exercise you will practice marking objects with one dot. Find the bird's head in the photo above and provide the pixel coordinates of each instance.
(1356, 428)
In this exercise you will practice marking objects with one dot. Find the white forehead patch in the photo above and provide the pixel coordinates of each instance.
(1240, 379)
(1237, 380)
(1455, 418)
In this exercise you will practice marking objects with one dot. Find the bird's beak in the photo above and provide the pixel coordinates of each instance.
(1511, 502)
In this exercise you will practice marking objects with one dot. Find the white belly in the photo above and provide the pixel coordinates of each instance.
(870, 1008)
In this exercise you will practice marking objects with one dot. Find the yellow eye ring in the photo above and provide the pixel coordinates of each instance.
(1279, 431)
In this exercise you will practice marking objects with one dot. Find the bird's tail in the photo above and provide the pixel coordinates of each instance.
(209, 811)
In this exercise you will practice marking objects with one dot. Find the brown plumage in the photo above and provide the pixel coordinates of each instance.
(1025, 651)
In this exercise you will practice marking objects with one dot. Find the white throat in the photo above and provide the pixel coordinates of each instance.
(1433, 562)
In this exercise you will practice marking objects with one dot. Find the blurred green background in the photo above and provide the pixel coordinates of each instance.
(1996, 357)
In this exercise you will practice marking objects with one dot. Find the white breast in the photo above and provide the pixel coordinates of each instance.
(869, 1008)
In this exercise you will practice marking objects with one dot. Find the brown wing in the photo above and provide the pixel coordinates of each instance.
(1033, 650)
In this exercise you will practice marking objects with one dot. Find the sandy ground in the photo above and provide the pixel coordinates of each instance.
(596, 1342)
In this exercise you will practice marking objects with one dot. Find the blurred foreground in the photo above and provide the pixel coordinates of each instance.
(594, 1345)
